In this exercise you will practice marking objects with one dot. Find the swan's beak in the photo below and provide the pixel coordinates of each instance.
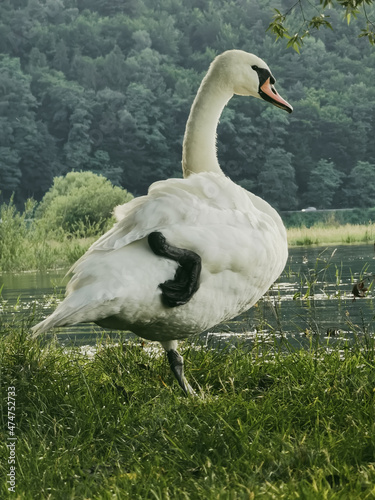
(269, 93)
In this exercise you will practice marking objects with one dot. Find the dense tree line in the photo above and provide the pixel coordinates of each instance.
(106, 86)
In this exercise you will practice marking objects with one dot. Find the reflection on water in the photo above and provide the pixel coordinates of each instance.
(313, 296)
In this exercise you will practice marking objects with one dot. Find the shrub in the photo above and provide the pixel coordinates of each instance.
(81, 203)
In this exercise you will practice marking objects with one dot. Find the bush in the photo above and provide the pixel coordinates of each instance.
(81, 203)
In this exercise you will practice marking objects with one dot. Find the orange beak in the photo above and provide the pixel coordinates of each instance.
(269, 93)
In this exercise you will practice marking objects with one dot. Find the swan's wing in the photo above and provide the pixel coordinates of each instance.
(170, 202)
(206, 213)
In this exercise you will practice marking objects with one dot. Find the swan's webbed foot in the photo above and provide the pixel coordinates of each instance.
(185, 283)
(176, 362)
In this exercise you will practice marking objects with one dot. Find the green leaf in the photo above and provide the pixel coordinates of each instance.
(295, 42)
(318, 21)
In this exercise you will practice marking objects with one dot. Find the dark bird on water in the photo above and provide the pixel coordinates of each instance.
(359, 290)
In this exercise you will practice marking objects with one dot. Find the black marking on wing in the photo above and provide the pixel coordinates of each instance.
(182, 287)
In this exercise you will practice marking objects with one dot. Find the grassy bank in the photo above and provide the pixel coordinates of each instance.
(22, 251)
(43, 255)
(268, 422)
(338, 227)
(31, 244)
(331, 234)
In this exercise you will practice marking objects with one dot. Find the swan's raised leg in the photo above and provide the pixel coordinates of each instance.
(176, 362)
(185, 283)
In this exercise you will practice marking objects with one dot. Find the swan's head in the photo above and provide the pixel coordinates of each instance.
(247, 74)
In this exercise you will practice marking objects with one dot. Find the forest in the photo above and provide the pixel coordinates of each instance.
(106, 86)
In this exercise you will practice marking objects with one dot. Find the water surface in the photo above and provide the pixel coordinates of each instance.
(313, 296)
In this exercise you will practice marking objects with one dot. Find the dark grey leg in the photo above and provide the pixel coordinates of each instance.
(185, 283)
(176, 362)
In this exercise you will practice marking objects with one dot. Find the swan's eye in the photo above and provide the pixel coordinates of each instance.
(255, 68)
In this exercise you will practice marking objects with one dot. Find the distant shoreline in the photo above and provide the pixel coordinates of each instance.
(331, 234)
(30, 251)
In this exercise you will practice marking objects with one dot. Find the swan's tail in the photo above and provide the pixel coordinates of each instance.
(78, 307)
(44, 326)
(62, 316)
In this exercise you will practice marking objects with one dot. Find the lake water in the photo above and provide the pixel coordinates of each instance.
(312, 297)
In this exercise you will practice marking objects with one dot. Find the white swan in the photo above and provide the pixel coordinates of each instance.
(195, 251)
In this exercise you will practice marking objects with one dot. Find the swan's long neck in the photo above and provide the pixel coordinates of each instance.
(199, 147)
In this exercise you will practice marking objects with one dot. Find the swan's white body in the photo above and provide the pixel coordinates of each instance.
(240, 238)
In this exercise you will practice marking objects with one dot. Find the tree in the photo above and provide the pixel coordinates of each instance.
(22, 136)
(324, 181)
(16, 101)
(109, 8)
(100, 164)
(78, 146)
(36, 60)
(38, 164)
(84, 70)
(360, 186)
(144, 149)
(61, 59)
(313, 21)
(114, 68)
(10, 172)
(66, 107)
(276, 181)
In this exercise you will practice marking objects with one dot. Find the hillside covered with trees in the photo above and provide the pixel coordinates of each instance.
(106, 86)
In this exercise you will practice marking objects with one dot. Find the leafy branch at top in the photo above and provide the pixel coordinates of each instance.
(352, 9)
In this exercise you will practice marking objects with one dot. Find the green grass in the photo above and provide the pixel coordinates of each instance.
(269, 422)
(29, 244)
